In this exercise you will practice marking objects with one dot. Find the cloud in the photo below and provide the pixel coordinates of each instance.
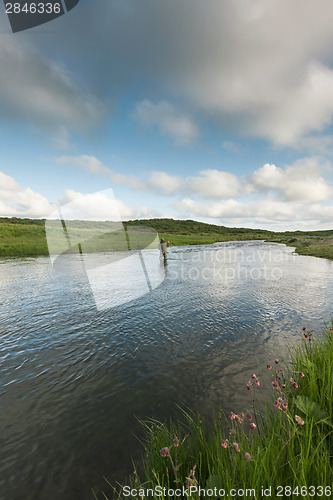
(232, 147)
(259, 68)
(93, 206)
(167, 119)
(16, 201)
(96, 167)
(300, 181)
(215, 184)
(161, 182)
(268, 211)
(39, 91)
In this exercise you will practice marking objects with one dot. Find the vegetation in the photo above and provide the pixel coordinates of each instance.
(20, 237)
(288, 449)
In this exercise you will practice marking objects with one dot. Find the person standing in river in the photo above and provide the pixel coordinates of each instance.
(163, 248)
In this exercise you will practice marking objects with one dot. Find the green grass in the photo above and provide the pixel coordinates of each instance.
(21, 237)
(282, 452)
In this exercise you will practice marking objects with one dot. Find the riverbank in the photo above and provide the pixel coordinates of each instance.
(27, 237)
(286, 452)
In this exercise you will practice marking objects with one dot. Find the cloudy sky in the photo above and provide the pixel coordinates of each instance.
(216, 110)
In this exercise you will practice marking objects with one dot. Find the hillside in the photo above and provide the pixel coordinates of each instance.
(19, 237)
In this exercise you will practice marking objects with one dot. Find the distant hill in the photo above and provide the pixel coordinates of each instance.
(20, 237)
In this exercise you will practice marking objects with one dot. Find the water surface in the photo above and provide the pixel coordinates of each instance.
(74, 378)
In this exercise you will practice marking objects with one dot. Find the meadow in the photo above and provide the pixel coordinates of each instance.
(27, 237)
(285, 451)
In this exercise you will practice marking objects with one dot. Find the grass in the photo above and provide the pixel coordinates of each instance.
(288, 450)
(27, 237)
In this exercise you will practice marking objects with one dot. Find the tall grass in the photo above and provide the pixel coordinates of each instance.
(286, 450)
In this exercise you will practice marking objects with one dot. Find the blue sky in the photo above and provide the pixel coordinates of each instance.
(219, 111)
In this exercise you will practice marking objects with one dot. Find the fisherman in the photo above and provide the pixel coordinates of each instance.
(163, 248)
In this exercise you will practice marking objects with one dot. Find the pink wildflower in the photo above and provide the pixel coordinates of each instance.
(164, 452)
(233, 415)
(249, 417)
(301, 374)
(257, 382)
(277, 404)
(253, 426)
(269, 367)
(176, 442)
(225, 443)
(276, 361)
(299, 420)
(295, 385)
(284, 406)
(254, 375)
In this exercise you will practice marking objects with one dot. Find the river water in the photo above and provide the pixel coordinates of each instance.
(74, 376)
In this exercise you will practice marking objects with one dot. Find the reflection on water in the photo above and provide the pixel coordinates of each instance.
(74, 379)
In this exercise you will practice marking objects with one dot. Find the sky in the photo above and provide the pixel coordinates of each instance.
(217, 110)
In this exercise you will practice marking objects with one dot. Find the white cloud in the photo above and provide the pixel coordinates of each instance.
(16, 201)
(167, 119)
(96, 167)
(300, 181)
(93, 206)
(89, 163)
(161, 182)
(268, 211)
(215, 184)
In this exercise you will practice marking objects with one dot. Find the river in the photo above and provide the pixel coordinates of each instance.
(75, 377)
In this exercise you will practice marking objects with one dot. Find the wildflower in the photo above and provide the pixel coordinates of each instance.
(275, 384)
(233, 415)
(277, 404)
(248, 457)
(239, 419)
(306, 336)
(225, 443)
(284, 406)
(257, 382)
(249, 386)
(276, 361)
(242, 415)
(254, 375)
(299, 420)
(253, 426)
(269, 367)
(236, 447)
(249, 417)
(176, 442)
(164, 452)
(295, 385)
(301, 374)
(283, 386)
(189, 483)
(303, 328)
(291, 380)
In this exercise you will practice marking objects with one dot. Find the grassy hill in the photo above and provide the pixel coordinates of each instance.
(20, 237)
